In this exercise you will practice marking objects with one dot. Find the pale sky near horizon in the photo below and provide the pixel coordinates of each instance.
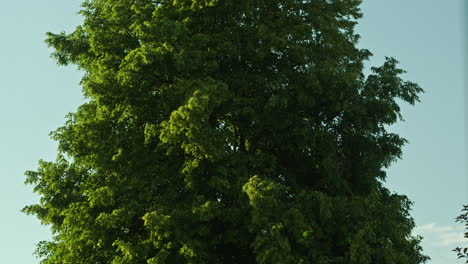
(426, 36)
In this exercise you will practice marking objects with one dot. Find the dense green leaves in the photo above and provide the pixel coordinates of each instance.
(225, 132)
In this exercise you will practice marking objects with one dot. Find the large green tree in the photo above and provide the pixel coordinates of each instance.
(219, 131)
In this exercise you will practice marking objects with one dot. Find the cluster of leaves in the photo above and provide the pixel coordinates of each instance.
(463, 218)
(221, 131)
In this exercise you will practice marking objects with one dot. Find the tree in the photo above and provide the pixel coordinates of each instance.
(225, 132)
(463, 218)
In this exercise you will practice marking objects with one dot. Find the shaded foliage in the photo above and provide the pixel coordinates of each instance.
(463, 218)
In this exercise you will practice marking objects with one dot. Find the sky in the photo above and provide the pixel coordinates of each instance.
(426, 36)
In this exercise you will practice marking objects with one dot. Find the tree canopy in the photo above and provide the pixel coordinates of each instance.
(219, 131)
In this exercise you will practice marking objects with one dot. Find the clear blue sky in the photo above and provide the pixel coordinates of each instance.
(427, 36)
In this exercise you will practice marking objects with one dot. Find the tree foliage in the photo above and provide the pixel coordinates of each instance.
(223, 131)
(463, 218)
